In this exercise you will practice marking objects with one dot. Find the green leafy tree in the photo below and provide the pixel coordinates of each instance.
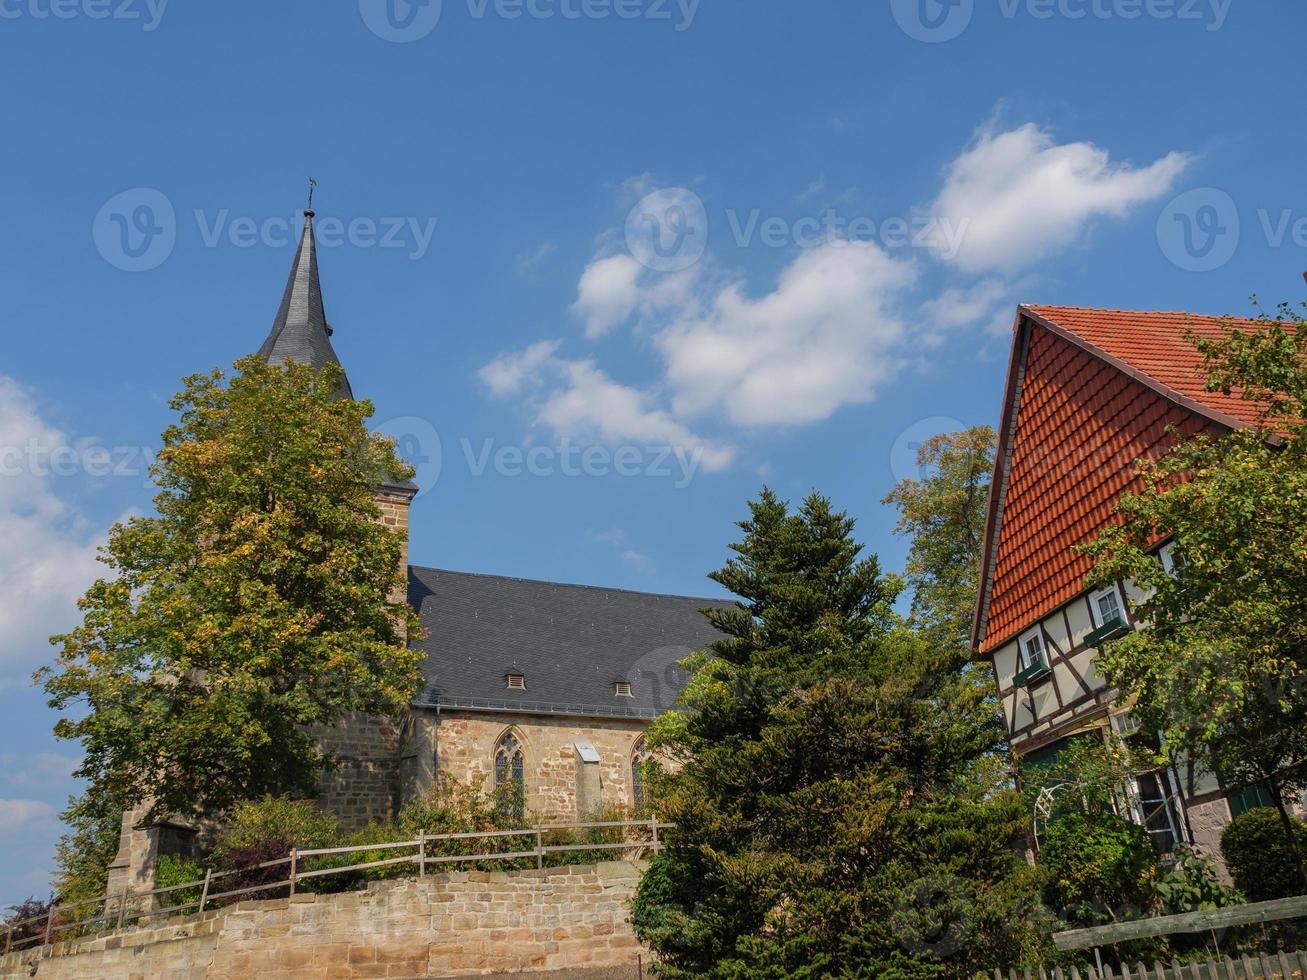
(943, 514)
(264, 598)
(1221, 669)
(826, 822)
(87, 848)
(1100, 868)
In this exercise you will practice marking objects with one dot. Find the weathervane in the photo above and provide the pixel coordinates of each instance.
(312, 184)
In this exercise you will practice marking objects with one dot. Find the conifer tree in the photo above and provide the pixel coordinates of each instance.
(827, 824)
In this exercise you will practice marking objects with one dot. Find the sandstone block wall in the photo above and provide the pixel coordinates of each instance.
(364, 785)
(565, 920)
(465, 747)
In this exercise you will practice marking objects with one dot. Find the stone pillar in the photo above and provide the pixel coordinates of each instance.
(589, 782)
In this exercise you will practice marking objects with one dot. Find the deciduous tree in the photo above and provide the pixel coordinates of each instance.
(263, 598)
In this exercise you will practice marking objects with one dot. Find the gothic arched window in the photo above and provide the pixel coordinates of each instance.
(510, 775)
(640, 754)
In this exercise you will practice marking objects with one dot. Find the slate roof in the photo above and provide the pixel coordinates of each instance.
(570, 642)
(300, 332)
(1088, 393)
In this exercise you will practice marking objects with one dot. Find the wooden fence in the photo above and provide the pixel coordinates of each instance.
(1278, 966)
(1281, 966)
(116, 911)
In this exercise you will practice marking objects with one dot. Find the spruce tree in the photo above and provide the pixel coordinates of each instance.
(827, 821)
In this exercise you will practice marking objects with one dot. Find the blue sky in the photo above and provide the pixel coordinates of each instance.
(605, 266)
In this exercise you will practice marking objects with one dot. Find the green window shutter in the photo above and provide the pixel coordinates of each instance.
(1248, 798)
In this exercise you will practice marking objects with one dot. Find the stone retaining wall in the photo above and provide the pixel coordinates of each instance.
(566, 921)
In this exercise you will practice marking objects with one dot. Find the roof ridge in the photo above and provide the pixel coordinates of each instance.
(568, 585)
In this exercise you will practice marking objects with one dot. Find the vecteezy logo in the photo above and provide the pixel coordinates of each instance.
(668, 230)
(400, 21)
(903, 455)
(933, 21)
(136, 230)
(1199, 230)
(418, 443)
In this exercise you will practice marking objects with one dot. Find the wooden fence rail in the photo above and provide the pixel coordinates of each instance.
(1254, 913)
(114, 908)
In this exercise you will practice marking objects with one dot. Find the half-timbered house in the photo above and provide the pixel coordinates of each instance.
(1088, 393)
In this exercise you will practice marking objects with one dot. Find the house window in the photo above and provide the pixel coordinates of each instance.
(510, 775)
(1107, 607)
(1170, 560)
(1157, 809)
(623, 689)
(1032, 654)
(639, 756)
(516, 682)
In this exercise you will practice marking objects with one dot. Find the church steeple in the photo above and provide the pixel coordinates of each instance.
(300, 332)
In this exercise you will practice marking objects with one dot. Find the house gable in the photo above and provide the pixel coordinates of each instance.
(1076, 417)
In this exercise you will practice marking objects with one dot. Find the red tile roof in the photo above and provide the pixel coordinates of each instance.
(1088, 393)
(1154, 344)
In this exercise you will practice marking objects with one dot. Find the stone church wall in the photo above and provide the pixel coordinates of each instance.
(565, 921)
(465, 749)
(364, 785)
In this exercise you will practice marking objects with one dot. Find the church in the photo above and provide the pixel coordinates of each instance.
(546, 686)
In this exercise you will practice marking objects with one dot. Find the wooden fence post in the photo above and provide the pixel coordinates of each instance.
(653, 824)
(9, 939)
(422, 854)
(540, 849)
(204, 892)
(49, 928)
(122, 907)
(294, 859)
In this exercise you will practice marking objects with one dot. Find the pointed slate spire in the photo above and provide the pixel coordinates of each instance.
(300, 332)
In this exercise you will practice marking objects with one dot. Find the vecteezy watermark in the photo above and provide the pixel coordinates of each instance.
(903, 455)
(1200, 230)
(87, 457)
(149, 13)
(936, 21)
(942, 236)
(405, 21)
(137, 230)
(567, 459)
(667, 231)
(420, 445)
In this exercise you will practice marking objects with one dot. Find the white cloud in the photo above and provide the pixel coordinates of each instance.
(579, 402)
(825, 337)
(47, 550)
(19, 814)
(988, 304)
(509, 373)
(608, 293)
(1021, 196)
(528, 260)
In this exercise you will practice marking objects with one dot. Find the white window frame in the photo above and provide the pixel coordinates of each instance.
(1166, 555)
(1095, 614)
(1038, 634)
(1172, 805)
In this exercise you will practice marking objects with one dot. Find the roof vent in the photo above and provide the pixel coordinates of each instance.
(516, 682)
(622, 689)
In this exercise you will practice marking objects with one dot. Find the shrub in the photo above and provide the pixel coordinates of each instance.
(1192, 885)
(33, 908)
(1259, 858)
(268, 830)
(1099, 868)
(171, 870)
